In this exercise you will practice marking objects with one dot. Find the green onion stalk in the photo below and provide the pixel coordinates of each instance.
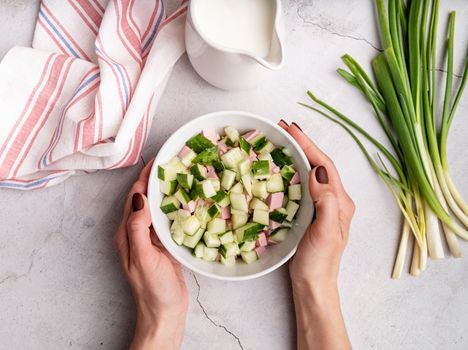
(404, 100)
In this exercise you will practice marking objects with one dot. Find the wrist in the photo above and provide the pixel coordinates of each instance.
(163, 332)
(319, 295)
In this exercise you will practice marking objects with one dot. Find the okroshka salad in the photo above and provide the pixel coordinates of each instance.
(231, 195)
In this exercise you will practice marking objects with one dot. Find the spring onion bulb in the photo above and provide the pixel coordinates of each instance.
(403, 95)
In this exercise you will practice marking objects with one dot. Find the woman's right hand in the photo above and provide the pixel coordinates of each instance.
(315, 266)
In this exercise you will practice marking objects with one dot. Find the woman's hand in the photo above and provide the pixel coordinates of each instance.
(155, 278)
(314, 269)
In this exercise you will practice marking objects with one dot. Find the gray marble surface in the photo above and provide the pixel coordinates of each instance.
(60, 283)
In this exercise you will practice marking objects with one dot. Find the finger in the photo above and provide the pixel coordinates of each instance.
(315, 155)
(138, 225)
(327, 209)
(121, 245)
(140, 186)
(283, 124)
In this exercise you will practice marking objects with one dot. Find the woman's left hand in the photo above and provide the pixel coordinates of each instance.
(154, 276)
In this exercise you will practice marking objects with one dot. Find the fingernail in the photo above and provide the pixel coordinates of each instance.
(297, 126)
(282, 121)
(137, 202)
(321, 175)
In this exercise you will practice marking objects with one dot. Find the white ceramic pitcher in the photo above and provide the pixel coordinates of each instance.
(230, 68)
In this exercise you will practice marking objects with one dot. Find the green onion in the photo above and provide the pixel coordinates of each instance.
(403, 96)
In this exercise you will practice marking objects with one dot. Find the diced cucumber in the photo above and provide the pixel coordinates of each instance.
(199, 171)
(166, 173)
(191, 241)
(247, 246)
(232, 133)
(214, 211)
(188, 158)
(218, 165)
(176, 228)
(279, 235)
(199, 249)
(229, 261)
(201, 212)
(232, 158)
(286, 151)
(287, 172)
(244, 145)
(217, 226)
(248, 232)
(249, 257)
(207, 188)
(239, 220)
(169, 204)
(280, 158)
(244, 167)
(229, 249)
(178, 237)
(207, 156)
(183, 214)
(259, 189)
(199, 143)
(265, 156)
(172, 215)
(177, 165)
(256, 203)
(216, 184)
(191, 225)
(223, 203)
(211, 239)
(228, 179)
(226, 237)
(285, 201)
(279, 215)
(237, 188)
(210, 254)
(238, 212)
(275, 183)
(261, 217)
(229, 142)
(294, 192)
(259, 141)
(291, 209)
(239, 202)
(247, 182)
(194, 194)
(167, 187)
(261, 169)
(265, 148)
(185, 180)
(219, 196)
(182, 196)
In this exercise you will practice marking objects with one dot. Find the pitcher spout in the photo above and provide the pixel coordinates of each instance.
(275, 58)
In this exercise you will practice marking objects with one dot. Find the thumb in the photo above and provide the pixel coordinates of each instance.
(138, 223)
(325, 199)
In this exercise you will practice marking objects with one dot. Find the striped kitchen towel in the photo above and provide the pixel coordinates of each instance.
(83, 97)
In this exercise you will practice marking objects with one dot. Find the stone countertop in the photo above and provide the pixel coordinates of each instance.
(60, 282)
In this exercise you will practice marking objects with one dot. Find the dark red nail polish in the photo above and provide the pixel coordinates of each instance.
(321, 175)
(137, 202)
(282, 121)
(297, 126)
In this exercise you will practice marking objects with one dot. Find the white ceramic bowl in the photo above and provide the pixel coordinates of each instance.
(275, 255)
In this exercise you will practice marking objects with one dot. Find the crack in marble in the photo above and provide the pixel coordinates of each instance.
(209, 318)
(318, 25)
(16, 276)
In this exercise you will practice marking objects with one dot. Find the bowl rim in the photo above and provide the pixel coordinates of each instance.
(153, 209)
